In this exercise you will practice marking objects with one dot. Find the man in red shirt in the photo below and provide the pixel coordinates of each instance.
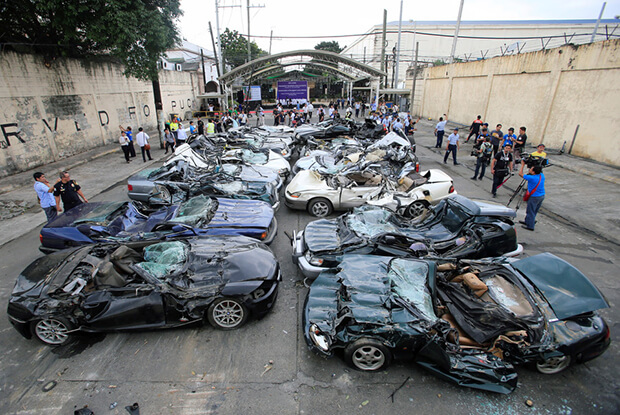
(475, 128)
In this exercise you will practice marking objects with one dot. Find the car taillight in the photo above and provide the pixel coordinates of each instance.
(263, 235)
(451, 189)
(417, 167)
(41, 238)
(129, 187)
(607, 333)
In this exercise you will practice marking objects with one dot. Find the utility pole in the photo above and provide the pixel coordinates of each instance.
(456, 32)
(383, 45)
(400, 24)
(270, 40)
(249, 46)
(415, 73)
(217, 62)
(204, 75)
(217, 27)
(598, 22)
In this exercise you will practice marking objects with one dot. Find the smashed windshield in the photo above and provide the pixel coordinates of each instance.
(371, 222)
(197, 211)
(164, 258)
(101, 215)
(251, 157)
(408, 280)
(453, 218)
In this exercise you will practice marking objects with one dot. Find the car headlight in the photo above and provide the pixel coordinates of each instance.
(317, 262)
(318, 338)
(284, 152)
(283, 172)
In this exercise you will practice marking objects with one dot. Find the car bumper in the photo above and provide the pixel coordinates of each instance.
(516, 252)
(22, 327)
(141, 197)
(259, 307)
(271, 232)
(299, 249)
(296, 204)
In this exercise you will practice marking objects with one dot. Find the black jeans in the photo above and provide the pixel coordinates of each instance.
(132, 150)
(498, 178)
(439, 139)
(169, 145)
(451, 149)
(148, 153)
(481, 165)
(126, 152)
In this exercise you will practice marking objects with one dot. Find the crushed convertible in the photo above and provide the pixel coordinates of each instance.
(131, 286)
(467, 322)
(456, 228)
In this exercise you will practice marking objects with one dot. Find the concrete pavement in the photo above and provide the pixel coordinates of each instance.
(580, 192)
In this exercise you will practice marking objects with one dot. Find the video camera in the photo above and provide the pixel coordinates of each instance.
(531, 161)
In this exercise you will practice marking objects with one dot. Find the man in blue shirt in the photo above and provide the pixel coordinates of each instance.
(510, 138)
(536, 186)
(453, 146)
(439, 130)
(44, 192)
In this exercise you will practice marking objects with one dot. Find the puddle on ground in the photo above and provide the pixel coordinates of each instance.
(78, 344)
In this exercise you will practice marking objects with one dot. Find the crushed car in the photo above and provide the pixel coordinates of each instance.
(457, 228)
(222, 280)
(94, 222)
(466, 322)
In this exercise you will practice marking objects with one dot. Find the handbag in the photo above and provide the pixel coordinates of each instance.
(147, 146)
(528, 194)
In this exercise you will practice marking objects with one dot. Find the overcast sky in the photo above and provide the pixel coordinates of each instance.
(345, 17)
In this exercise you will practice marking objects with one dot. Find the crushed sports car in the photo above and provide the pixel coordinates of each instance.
(222, 280)
(468, 322)
(130, 221)
(456, 228)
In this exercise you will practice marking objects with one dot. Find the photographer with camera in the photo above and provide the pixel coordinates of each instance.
(483, 152)
(500, 167)
(535, 192)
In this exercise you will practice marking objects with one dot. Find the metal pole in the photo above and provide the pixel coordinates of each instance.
(456, 32)
(204, 75)
(597, 23)
(400, 24)
(217, 64)
(364, 54)
(270, 40)
(570, 149)
(249, 50)
(415, 72)
(219, 41)
(383, 45)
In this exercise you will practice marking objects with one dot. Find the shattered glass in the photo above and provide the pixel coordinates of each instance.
(371, 222)
(251, 157)
(101, 215)
(408, 280)
(163, 258)
(195, 212)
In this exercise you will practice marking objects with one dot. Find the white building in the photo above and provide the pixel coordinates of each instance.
(477, 40)
(187, 57)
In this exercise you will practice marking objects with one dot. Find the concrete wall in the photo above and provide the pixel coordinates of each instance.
(48, 112)
(551, 92)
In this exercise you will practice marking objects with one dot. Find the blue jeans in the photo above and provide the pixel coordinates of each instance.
(533, 204)
(481, 165)
(439, 138)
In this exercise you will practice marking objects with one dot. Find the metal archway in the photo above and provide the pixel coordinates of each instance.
(275, 68)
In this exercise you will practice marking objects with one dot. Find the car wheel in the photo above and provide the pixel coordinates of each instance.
(54, 331)
(553, 365)
(320, 207)
(227, 314)
(416, 209)
(367, 355)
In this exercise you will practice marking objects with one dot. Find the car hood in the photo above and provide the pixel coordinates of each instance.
(566, 289)
(306, 180)
(241, 213)
(322, 235)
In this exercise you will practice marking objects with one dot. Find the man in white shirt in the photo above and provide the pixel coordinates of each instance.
(439, 130)
(181, 135)
(310, 109)
(142, 139)
(453, 146)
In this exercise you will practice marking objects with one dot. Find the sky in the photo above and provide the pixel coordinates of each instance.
(346, 17)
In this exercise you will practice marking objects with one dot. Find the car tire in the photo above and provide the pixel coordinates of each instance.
(553, 365)
(320, 207)
(367, 355)
(416, 209)
(53, 331)
(227, 314)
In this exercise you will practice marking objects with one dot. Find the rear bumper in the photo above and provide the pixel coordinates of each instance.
(516, 252)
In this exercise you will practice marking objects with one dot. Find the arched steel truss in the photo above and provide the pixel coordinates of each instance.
(273, 69)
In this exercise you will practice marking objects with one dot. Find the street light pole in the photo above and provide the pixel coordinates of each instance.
(456, 32)
(400, 24)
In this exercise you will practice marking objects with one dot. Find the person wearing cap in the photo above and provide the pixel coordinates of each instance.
(474, 129)
(540, 151)
(453, 146)
(510, 138)
(536, 186)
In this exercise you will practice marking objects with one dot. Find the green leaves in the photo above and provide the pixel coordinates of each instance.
(235, 48)
(331, 46)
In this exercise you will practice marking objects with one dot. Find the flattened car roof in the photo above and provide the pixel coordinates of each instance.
(568, 291)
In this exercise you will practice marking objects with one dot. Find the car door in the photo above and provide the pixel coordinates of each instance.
(353, 195)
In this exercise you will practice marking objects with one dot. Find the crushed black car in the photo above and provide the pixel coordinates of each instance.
(468, 322)
(134, 286)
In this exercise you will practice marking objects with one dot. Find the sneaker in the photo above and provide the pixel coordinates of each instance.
(457, 164)
(473, 178)
(479, 178)
(445, 162)
(522, 222)
(494, 195)
(529, 229)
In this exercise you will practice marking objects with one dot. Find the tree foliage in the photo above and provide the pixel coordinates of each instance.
(136, 32)
(331, 46)
(235, 48)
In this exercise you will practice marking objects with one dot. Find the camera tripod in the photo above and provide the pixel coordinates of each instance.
(516, 193)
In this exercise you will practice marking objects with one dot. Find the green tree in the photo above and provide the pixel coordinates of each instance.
(331, 46)
(235, 48)
(136, 32)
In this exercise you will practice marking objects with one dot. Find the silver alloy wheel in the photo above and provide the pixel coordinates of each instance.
(320, 208)
(553, 365)
(52, 331)
(368, 357)
(228, 314)
(416, 209)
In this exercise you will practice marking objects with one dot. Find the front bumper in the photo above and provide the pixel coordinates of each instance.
(299, 250)
(272, 231)
(293, 203)
(259, 307)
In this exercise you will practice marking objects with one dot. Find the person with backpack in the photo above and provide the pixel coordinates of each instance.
(484, 153)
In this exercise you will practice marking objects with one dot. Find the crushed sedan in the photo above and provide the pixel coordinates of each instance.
(468, 323)
(457, 228)
(134, 286)
(130, 221)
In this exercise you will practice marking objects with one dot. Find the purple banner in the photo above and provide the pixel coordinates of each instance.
(292, 89)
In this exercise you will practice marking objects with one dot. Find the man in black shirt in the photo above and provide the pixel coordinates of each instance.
(70, 192)
(496, 138)
(520, 144)
(501, 166)
(201, 126)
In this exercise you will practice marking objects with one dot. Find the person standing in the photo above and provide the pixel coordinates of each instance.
(44, 192)
(439, 130)
(181, 135)
(310, 109)
(142, 139)
(475, 128)
(509, 138)
(363, 109)
(69, 191)
(192, 128)
(174, 127)
(540, 152)
(123, 140)
(260, 116)
(453, 146)
(483, 155)
(500, 167)
(201, 126)
(357, 109)
(169, 141)
(129, 133)
(496, 138)
(520, 144)
(536, 189)
(243, 118)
